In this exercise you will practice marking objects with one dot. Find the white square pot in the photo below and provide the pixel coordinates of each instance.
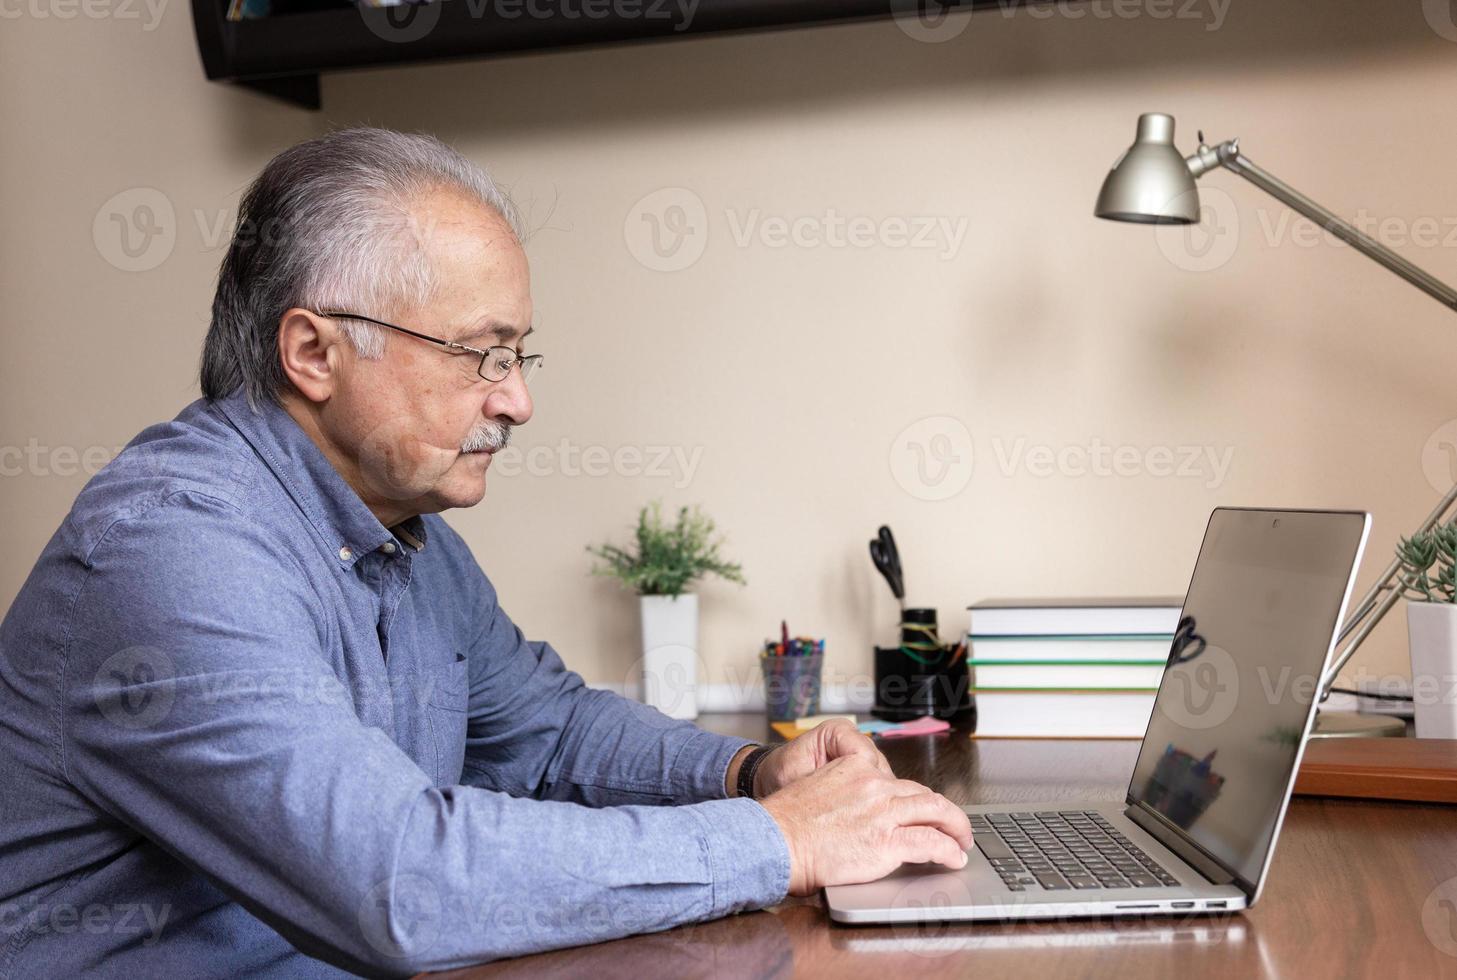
(670, 654)
(1432, 630)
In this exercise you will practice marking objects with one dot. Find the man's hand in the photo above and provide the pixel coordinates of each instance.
(813, 750)
(848, 821)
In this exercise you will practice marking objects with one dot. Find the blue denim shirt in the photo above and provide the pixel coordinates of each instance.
(245, 728)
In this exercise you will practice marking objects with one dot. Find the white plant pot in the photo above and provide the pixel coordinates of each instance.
(670, 654)
(1432, 629)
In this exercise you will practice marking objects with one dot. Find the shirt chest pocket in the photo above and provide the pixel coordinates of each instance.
(445, 709)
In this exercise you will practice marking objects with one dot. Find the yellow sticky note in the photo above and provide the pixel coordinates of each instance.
(786, 729)
(804, 724)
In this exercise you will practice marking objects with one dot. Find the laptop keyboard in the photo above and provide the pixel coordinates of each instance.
(1056, 850)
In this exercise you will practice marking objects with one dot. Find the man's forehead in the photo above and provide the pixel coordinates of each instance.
(467, 237)
(482, 277)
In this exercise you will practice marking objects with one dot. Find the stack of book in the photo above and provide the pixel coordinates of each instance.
(1068, 668)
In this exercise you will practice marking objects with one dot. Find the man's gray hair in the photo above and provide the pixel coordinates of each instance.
(331, 224)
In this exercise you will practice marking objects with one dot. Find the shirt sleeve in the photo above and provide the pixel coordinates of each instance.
(202, 709)
(536, 729)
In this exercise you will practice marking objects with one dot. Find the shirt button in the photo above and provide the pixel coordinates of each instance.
(388, 547)
(345, 554)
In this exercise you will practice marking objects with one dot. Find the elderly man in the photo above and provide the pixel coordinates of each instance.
(261, 713)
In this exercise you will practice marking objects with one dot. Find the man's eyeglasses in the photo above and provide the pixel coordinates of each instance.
(495, 364)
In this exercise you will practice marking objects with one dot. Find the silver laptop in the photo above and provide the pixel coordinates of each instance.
(1216, 767)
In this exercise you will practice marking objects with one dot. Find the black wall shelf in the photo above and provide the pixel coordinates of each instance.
(284, 54)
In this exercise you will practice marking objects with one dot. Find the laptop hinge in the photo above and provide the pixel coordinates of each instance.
(1175, 842)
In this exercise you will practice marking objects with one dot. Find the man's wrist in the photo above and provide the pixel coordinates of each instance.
(731, 775)
(746, 781)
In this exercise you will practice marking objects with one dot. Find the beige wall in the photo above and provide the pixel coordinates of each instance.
(793, 373)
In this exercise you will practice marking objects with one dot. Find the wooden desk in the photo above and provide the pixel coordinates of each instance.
(1358, 889)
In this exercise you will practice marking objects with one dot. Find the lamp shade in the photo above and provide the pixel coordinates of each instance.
(1151, 183)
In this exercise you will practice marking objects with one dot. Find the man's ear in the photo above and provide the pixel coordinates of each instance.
(308, 350)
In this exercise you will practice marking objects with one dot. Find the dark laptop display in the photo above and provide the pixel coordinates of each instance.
(1245, 665)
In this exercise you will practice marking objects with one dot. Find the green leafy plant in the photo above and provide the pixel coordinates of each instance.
(1422, 552)
(664, 559)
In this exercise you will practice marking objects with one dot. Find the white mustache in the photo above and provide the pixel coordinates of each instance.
(489, 436)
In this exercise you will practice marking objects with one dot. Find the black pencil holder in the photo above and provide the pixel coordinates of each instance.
(920, 678)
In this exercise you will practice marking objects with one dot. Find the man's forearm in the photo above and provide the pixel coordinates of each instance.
(537, 730)
(608, 751)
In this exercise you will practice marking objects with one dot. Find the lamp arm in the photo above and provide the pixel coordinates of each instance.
(1379, 599)
(1376, 603)
(1227, 155)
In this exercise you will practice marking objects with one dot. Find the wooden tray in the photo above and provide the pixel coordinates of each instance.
(1417, 769)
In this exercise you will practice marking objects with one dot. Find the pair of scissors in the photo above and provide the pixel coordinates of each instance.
(887, 559)
(1187, 644)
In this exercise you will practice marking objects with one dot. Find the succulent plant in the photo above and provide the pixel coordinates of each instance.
(1420, 554)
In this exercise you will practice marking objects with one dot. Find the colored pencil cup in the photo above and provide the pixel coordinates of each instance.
(792, 686)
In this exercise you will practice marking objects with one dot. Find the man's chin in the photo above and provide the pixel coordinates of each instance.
(465, 484)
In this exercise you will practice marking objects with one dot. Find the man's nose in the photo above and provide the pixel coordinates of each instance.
(510, 401)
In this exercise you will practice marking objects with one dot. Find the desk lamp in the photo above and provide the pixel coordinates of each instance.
(1153, 183)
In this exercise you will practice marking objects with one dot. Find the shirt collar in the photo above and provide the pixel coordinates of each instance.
(345, 525)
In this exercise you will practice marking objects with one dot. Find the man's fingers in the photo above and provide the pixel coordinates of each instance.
(935, 811)
(908, 787)
(919, 845)
(842, 738)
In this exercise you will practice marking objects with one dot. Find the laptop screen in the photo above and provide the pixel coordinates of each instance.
(1245, 667)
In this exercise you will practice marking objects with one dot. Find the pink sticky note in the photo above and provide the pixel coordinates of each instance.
(921, 726)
